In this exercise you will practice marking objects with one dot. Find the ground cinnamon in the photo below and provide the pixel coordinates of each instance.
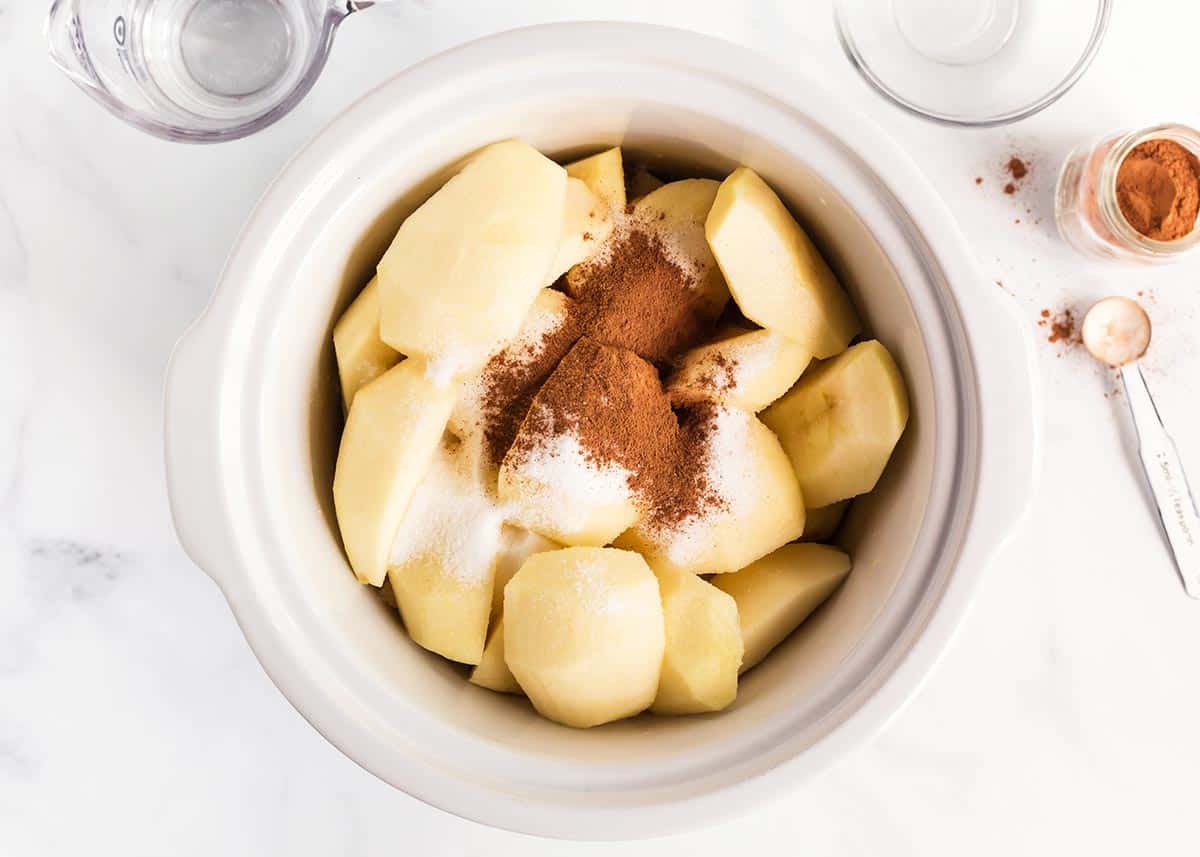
(635, 295)
(510, 382)
(1158, 189)
(1018, 169)
(613, 403)
(1062, 326)
(720, 373)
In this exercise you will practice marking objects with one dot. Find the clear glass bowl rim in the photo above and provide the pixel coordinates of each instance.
(1103, 12)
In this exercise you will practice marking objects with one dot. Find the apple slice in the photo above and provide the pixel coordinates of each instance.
(776, 275)
(584, 635)
(492, 671)
(391, 435)
(778, 592)
(465, 267)
(820, 524)
(704, 646)
(552, 478)
(550, 311)
(559, 492)
(840, 423)
(604, 174)
(677, 212)
(361, 355)
(516, 546)
(748, 370)
(587, 223)
(760, 506)
(639, 181)
(442, 566)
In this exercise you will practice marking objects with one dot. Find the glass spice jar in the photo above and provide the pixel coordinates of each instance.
(1085, 201)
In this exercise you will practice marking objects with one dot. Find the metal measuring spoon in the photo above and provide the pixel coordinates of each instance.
(1116, 331)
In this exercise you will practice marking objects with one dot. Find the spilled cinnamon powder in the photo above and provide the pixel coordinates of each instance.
(1062, 326)
(1018, 169)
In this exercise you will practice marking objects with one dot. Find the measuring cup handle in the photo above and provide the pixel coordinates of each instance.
(1168, 482)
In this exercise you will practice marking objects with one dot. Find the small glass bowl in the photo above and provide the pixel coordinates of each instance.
(1085, 200)
(972, 62)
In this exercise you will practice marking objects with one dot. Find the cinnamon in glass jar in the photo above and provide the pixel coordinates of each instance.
(1133, 196)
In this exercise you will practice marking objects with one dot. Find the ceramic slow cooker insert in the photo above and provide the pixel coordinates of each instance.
(253, 420)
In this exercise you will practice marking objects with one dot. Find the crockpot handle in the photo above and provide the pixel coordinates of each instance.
(192, 444)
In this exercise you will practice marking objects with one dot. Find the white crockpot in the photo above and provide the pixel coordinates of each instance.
(253, 418)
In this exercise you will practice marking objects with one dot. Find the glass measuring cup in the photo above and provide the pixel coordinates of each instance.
(199, 71)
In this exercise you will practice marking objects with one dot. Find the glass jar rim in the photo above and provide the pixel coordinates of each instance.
(1109, 208)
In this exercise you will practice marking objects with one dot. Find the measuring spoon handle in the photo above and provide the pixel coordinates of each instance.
(1168, 482)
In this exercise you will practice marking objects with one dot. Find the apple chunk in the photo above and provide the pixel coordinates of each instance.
(820, 524)
(604, 174)
(704, 646)
(492, 671)
(361, 355)
(478, 399)
(584, 635)
(748, 371)
(639, 181)
(587, 222)
(840, 423)
(676, 212)
(444, 556)
(760, 506)
(465, 266)
(516, 546)
(778, 592)
(776, 275)
(391, 435)
(551, 477)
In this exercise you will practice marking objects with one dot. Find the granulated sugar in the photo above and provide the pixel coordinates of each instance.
(687, 248)
(448, 364)
(451, 522)
(753, 356)
(589, 579)
(520, 351)
(726, 370)
(566, 483)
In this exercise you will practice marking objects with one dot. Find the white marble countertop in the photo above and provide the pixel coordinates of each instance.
(133, 718)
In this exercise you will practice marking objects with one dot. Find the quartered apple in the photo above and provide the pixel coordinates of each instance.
(465, 266)
(840, 423)
(777, 277)
(392, 432)
(778, 592)
(703, 646)
(584, 635)
(362, 356)
(604, 174)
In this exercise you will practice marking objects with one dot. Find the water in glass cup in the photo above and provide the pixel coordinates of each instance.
(196, 70)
